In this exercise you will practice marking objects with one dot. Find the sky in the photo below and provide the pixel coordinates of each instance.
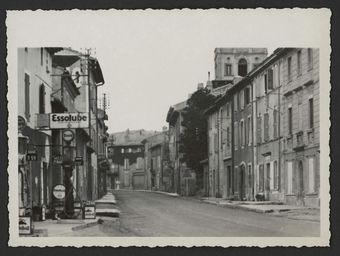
(153, 59)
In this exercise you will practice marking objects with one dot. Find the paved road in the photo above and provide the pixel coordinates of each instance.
(151, 214)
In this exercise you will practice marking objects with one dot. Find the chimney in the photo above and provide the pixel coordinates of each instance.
(200, 86)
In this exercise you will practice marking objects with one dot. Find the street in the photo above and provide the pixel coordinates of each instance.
(152, 214)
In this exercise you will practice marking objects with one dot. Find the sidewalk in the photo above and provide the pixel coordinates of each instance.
(60, 227)
(273, 208)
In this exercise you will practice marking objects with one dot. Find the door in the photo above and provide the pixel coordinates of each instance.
(300, 185)
(138, 181)
(242, 182)
(267, 183)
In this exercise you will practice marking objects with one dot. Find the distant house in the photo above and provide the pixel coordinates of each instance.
(159, 175)
(126, 152)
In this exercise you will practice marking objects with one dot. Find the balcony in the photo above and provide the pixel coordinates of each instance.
(298, 143)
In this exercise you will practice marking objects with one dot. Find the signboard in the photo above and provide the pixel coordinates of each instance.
(69, 120)
(59, 192)
(79, 160)
(89, 212)
(21, 123)
(32, 155)
(25, 225)
(58, 159)
(68, 135)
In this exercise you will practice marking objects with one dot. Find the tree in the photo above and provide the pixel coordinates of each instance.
(194, 141)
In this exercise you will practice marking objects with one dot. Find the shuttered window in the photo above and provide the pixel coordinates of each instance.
(266, 126)
(261, 178)
(27, 97)
(270, 79)
(259, 129)
(275, 123)
(236, 135)
(42, 99)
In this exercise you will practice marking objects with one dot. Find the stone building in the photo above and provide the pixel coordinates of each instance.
(126, 154)
(159, 176)
(184, 178)
(232, 62)
(301, 127)
(275, 131)
(34, 90)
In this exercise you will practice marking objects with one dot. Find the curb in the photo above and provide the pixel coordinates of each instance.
(86, 225)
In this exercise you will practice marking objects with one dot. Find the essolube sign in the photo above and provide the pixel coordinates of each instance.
(69, 120)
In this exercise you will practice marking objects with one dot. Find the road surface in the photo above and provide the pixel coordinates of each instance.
(152, 214)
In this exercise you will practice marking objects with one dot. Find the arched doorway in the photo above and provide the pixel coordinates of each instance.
(300, 184)
(242, 182)
(242, 67)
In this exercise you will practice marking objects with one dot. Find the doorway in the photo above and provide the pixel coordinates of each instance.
(242, 182)
(300, 185)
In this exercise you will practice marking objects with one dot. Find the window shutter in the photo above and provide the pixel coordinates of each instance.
(27, 97)
(259, 130)
(270, 79)
(266, 126)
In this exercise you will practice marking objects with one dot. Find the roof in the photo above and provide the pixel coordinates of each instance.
(68, 56)
(131, 137)
(248, 78)
(174, 111)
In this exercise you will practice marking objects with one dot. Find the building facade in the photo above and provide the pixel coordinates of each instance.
(184, 178)
(274, 131)
(159, 175)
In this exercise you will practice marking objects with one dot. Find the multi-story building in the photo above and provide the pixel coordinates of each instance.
(184, 178)
(301, 127)
(275, 131)
(232, 62)
(158, 175)
(34, 90)
(126, 154)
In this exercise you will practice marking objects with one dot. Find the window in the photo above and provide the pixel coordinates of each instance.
(259, 129)
(289, 177)
(228, 110)
(126, 163)
(276, 176)
(42, 99)
(310, 58)
(247, 99)
(261, 178)
(275, 123)
(236, 135)
(235, 102)
(227, 70)
(289, 68)
(241, 99)
(228, 137)
(299, 68)
(311, 113)
(311, 175)
(265, 83)
(250, 137)
(270, 79)
(242, 67)
(41, 56)
(290, 121)
(139, 163)
(215, 143)
(242, 134)
(159, 162)
(235, 179)
(122, 151)
(27, 97)
(266, 126)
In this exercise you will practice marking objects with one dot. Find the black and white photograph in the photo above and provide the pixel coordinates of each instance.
(180, 127)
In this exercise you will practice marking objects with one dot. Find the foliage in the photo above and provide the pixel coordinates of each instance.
(194, 138)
